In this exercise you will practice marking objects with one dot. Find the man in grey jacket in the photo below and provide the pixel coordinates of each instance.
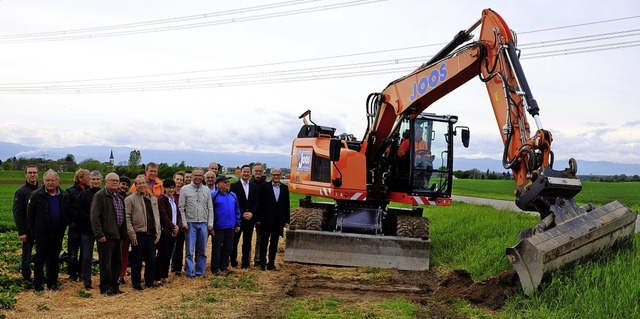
(196, 210)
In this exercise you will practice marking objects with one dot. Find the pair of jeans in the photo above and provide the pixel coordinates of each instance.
(86, 249)
(196, 241)
(25, 260)
(73, 247)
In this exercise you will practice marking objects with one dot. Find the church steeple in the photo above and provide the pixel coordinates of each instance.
(111, 158)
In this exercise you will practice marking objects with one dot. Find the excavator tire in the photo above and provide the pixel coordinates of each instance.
(315, 219)
(413, 227)
(298, 218)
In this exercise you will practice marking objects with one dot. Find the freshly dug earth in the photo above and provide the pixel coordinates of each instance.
(268, 294)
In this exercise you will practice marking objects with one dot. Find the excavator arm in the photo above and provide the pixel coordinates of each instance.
(493, 58)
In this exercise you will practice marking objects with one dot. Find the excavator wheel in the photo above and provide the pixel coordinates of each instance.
(298, 218)
(315, 219)
(413, 227)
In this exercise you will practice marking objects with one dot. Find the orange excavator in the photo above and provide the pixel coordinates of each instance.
(406, 156)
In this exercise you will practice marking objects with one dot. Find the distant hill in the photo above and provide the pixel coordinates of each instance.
(233, 159)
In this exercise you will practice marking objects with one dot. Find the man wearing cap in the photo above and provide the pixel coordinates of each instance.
(227, 221)
(196, 210)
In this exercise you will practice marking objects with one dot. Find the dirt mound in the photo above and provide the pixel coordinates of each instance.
(417, 285)
(490, 293)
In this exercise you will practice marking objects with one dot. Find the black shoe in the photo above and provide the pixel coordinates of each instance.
(245, 266)
(87, 287)
(138, 287)
(117, 292)
(122, 281)
(263, 267)
(53, 288)
(75, 278)
(234, 264)
(107, 292)
(38, 289)
(272, 267)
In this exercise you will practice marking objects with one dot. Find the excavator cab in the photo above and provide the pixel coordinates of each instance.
(423, 162)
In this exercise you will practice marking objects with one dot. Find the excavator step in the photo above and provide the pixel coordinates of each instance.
(356, 250)
(586, 234)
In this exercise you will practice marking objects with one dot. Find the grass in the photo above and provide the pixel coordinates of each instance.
(335, 308)
(605, 287)
(474, 237)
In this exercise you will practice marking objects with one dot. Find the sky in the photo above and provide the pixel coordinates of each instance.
(235, 75)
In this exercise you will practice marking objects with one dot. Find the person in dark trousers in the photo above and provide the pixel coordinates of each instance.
(143, 229)
(108, 226)
(170, 222)
(258, 178)
(83, 222)
(247, 195)
(226, 216)
(81, 182)
(273, 214)
(48, 215)
(123, 190)
(20, 201)
(177, 256)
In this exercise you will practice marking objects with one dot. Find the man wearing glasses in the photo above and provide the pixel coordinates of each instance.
(20, 201)
(48, 215)
(109, 227)
(196, 210)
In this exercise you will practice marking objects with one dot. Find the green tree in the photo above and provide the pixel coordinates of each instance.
(92, 164)
(134, 160)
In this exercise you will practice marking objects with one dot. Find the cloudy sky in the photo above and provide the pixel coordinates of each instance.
(235, 75)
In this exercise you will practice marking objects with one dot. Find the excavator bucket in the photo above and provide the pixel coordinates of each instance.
(579, 232)
(356, 250)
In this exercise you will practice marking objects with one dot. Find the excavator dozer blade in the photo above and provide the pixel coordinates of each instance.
(356, 250)
(582, 235)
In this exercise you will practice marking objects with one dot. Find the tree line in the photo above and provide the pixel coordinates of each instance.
(133, 167)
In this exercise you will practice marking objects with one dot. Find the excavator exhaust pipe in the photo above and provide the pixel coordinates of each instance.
(578, 233)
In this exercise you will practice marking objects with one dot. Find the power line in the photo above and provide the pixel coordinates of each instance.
(158, 21)
(272, 78)
(190, 25)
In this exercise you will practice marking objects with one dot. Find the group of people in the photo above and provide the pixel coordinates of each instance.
(159, 222)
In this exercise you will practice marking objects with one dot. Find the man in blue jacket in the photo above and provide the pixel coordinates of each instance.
(226, 213)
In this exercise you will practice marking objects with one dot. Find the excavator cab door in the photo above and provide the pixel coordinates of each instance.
(425, 156)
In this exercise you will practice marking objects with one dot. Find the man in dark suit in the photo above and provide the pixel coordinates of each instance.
(273, 214)
(247, 194)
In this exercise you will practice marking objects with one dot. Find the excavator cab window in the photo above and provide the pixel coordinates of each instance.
(430, 156)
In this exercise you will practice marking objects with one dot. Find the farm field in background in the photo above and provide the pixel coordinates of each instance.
(599, 193)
